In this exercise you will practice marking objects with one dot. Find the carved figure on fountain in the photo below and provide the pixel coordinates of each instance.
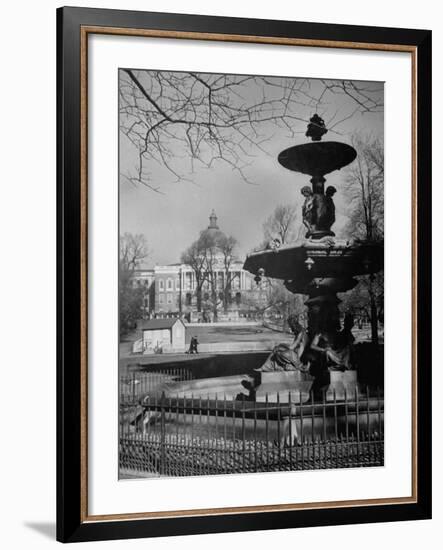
(337, 347)
(308, 211)
(323, 314)
(288, 358)
(329, 207)
(316, 128)
(318, 212)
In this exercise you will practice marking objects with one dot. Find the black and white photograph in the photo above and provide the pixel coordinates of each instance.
(218, 304)
(251, 273)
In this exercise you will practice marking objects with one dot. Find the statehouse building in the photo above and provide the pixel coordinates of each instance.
(171, 290)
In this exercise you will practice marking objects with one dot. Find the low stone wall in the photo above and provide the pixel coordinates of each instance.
(219, 347)
(226, 324)
(228, 347)
(275, 327)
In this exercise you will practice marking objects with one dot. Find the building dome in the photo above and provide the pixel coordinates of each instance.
(213, 230)
(213, 220)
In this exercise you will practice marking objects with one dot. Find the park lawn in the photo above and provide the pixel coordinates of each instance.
(214, 334)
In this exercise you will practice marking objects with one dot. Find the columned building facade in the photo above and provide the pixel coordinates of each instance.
(172, 290)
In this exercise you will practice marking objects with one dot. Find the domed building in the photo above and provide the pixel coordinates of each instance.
(224, 292)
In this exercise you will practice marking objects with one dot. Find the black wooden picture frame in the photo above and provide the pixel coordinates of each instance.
(73, 25)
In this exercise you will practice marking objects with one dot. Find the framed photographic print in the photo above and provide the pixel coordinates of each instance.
(244, 269)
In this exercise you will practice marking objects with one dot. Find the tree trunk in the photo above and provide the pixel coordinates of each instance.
(226, 294)
(214, 307)
(199, 299)
(227, 290)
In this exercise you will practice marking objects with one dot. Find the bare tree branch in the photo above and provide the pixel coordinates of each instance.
(176, 119)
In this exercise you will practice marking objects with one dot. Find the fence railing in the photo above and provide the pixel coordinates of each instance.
(170, 456)
(137, 384)
(180, 436)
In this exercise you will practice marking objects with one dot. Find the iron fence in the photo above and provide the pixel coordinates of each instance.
(137, 384)
(170, 456)
(187, 435)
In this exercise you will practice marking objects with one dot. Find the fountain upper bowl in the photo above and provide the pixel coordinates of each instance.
(317, 158)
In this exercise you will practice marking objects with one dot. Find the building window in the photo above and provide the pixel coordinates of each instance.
(169, 284)
(161, 299)
(235, 280)
(177, 284)
(169, 299)
(188, 299)
(238, 298)
(161, 284)
(188, 280)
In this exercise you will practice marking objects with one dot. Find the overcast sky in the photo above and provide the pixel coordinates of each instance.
(172, 219)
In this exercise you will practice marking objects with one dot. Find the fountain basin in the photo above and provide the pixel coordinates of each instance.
(317, 158)
(302, 264)
(286, 386)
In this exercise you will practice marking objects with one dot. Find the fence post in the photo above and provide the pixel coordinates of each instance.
(291, 435)
(243, 434)
(279, 431)
(162, 434)
(357, 409)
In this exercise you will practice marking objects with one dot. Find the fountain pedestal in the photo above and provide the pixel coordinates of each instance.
(294, 386)
(343, 386)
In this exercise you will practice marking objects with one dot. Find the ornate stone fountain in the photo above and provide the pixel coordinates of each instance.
(319, 267)
(322, 265)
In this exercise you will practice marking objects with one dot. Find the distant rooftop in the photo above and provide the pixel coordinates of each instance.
(155, 324)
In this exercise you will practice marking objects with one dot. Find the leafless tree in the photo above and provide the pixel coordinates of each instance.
(367, 300)
(133, 250)
(227, 246)
(180, 119)
(272, 298)
(365, 189)
(194, 256)
(212, 254)
(362, 94)
(281, 224)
